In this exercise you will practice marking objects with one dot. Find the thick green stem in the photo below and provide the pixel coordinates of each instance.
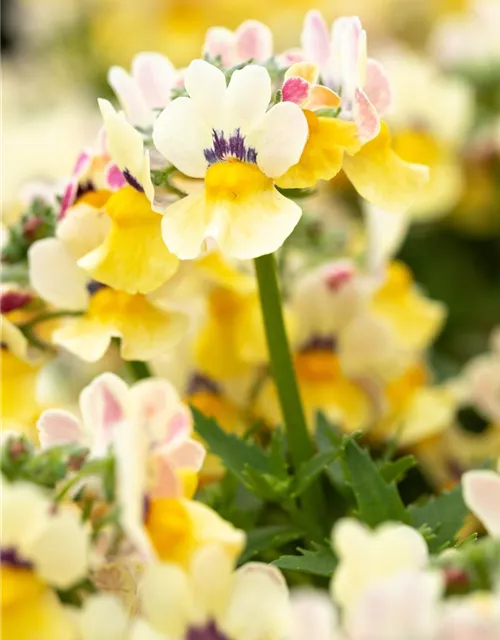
(299, 442)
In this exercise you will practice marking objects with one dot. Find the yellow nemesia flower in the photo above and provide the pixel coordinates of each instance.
(133, 257)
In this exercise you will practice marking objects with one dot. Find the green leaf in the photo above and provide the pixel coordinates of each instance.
(377, 500)
(395, 470)
(310, 470)
(321, 562)
(234, 452)
(276, 453)
(444, 514)
(266, 485)
(266, 538)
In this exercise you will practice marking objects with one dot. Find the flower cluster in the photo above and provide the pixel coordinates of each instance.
(237, 420)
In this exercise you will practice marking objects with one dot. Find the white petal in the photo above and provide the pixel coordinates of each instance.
(130, 96)
(87, 340)
(184, 226)
(22, 503)
(212, 571)
(103, 617)
(61, 550)
(279, 139)
(181, 137)
(247, 98)
(386, 232)
(220, 41)
(315, 38)
(56, 427)
(349, 535)
(155, 75)
(254, 40)
(482, 496)
(55, 275)
(313, 615)
(83, 229)
(206, 85)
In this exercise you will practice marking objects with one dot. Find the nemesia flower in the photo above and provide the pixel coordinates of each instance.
(146, 326)
(472, 617)
(366, 556)
(252, 40)
(227, 136)
(148, 87)
(376, 171)
(313, 616)
(41, 550)
(207, 600)
(329, 137)
(482, 495)
(153, 406)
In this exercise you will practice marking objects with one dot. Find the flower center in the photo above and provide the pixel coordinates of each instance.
(317, 365)
(208, 632)
(233, 181)
(232, 147)
(170, 529)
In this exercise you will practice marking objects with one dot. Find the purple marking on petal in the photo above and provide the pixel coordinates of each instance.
(199, 382)
(84, 187)
(10, 557)
(11, 300)
(93, 286)
(318, 342)
(207, 632)
(133, 182)
(114, 177)
(233, 148)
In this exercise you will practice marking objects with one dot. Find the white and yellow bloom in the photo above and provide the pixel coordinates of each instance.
(482, 496)
(208, 599)
(41, 550)
(367, 556)
(227, 136)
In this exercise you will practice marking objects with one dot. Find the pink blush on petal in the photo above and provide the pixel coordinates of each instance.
(179, 426)
(82, 164)
(338, 277)
(56, 427)
(68, 197)
(366, 117)
(114, 177)
(295, 90)
(165, 483)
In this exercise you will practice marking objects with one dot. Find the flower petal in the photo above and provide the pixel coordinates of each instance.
(304, 70)
(247, 98)
(313, 615)
(133, 257)
(56, 427)
(184, 226)
(188, 454)
(220, 41)
(254, 40)
(206, 86)
(155, 75)
(295, 90)
(181, 136)
(279, 139)
(55, 275)
(377, 87)
(83, 229)
(382, 178)
(321, 97)
(87, 339)
(482, 496)
(365, 116)
(164, 482)
(130, 96)
(315, 38)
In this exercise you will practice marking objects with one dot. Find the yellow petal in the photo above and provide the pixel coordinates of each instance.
(304, 70)
(323, 154)
(322, 97)
(19, 408)
(223, 273)
(170, 529)
(133, 257)
(381, 177)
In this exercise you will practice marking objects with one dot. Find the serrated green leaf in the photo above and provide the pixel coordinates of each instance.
(266, 538)
(444, 514)
(395, 470)
(234, 452)
(318, 563)
(276, 453)
(378, 501)
(310, 470)
(265, 485)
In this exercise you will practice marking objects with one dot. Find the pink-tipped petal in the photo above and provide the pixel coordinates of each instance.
(56, 427)
(130, 96)
(188, 454)
(253, 40)
(82, 164)
(482, 495)
(155, 75)
(220, 42)
(377, 87)
(163, 483)
(295, 90)
(321, 97)
(114, 177)
(69, 197)
(315, 38)
(366, 117)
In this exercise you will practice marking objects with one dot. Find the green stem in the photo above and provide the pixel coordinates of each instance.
(139, 370)
(50, 315)
(299, 443)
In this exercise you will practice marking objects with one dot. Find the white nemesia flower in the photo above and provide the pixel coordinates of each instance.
(227, 135)
(366, 556)
(482, 495)
(55, 544)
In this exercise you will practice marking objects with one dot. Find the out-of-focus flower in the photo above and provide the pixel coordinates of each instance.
(252, 40)
(472, 617)
(227, 136)
(153, 406)
(208, 600)
(313, 616)
(366, 556)
(429, 126)
(482, 496)
(148, 87)
(41, 550)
